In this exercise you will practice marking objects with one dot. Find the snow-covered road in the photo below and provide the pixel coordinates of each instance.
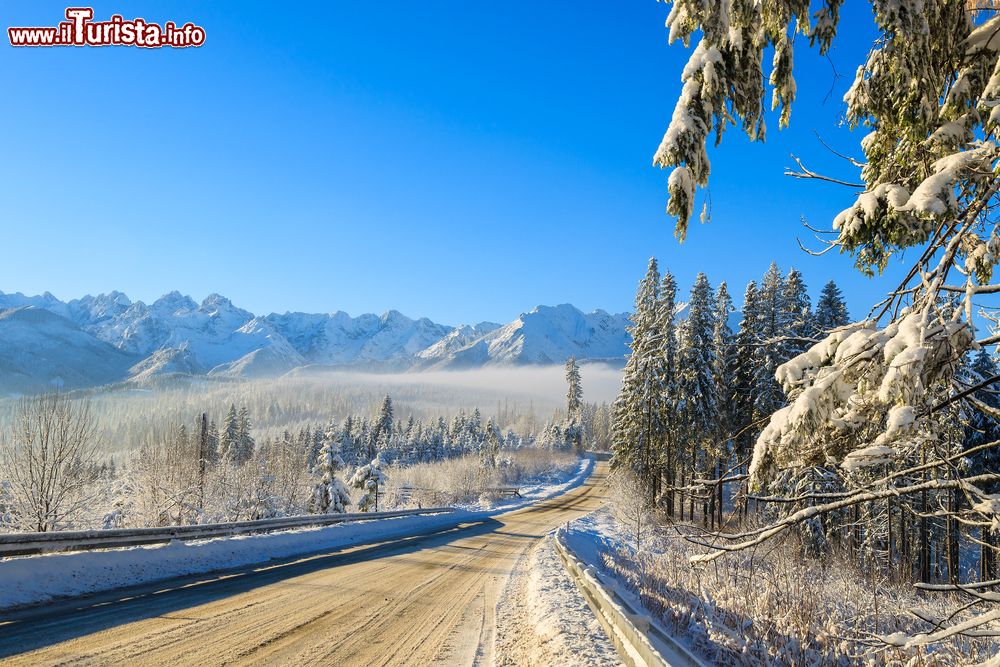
(426, 599)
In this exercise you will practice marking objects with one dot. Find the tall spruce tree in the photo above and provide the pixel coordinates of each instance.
(697, 392)
(831, 309)
(668, 421)
(573, 428)
(723, 377)
(745, 375)
(635, 409)
(244, 441)
(382, 430)
(768, 351)
(796, 320)
(230, 437)
(574, 393)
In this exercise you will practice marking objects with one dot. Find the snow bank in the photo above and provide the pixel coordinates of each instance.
(37, 579)
(543, 618)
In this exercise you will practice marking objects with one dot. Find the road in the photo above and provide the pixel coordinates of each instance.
(425, 600)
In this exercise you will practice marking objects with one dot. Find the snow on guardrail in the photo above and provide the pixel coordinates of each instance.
(22, 544)
(638, 639)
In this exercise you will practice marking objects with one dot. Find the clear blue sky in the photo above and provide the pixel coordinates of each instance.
(458, 160)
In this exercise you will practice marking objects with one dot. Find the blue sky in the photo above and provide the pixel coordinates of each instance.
(461, 161)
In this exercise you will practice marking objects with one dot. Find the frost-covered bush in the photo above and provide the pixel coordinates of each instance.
(771, 606)
(463, 479)
(369, 478)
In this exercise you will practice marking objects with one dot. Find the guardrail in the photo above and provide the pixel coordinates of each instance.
(21, 544)
(504, 491)
(637, 638)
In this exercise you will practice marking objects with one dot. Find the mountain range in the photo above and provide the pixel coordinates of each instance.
(96, 340)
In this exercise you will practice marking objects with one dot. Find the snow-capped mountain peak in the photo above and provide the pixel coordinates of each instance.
(174, 334)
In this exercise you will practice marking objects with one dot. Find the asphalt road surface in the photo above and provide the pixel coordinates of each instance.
(425, 600)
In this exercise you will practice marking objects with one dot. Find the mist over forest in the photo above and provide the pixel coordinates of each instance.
(128, 416)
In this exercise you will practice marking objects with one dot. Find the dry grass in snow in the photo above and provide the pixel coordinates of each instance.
(463, 480)
(772, 606)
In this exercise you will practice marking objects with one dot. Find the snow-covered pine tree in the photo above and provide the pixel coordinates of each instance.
(349, 449)
(330, 495)
(475, 426)
(635, 409)
(441, 443)
(831, 310)
(573, 428)
(744, 375)
(668, 421)
(723, 376)
(796, 319)
(369, 478)
(244, 442)
(574, 393)
(214, 446)
(229, 441)
(491, 446)
(382, 429)
(696, 387)
(768, 352)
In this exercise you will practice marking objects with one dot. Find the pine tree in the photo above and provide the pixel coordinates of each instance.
(744, 374)
(983, 427)
(230, 439)
(636, 406)
(725, 359)
(214, 446)
(696, 387)
(491, 446)
(475, 426)
(796, 321)
(831, 310)
(369, 478)
(574, 395)
(926, 95)
(666, 366)
(330, 495)
(573, 428)
(244, 441)
(382, 430)
(348, 442)
(768, 350)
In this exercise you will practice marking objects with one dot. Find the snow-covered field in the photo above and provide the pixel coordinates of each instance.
(37, 579)
(767, 606)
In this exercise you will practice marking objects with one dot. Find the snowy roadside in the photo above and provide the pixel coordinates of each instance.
(536, 491)
(773, 608)
(33, 580)
(542, 618)
(596, 533)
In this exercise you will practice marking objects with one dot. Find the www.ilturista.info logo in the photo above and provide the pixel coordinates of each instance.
(81, 30)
